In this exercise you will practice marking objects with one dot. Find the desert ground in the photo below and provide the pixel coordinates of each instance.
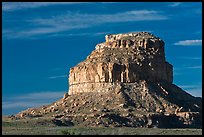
(46, 127)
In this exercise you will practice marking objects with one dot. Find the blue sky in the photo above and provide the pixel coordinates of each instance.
(43, 40)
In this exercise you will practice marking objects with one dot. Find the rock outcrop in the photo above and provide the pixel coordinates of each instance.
(124, 58)
(125, 81)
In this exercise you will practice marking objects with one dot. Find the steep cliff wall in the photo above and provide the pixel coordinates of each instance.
(124, 58)
(125, 81)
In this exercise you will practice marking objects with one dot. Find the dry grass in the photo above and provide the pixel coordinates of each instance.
(24, 128)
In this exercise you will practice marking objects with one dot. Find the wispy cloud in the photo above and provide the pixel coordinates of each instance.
(86, 19)
(190, 58)
(194, 67)
(55, 77)
(188, 67)
(33, 99)
(23, 104)
(189, 43)
(42, 95)
(198, 10)
(198, 32)
(76, 20)
(195, 90)
(78, 34)
(13, 6)
(181, 70)
(174, 4)
(189, 86)
(177, 73)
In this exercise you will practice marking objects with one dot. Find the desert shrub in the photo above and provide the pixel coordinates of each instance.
(69, 132)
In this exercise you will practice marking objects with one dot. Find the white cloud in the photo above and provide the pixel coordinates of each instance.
(71, 20)
(33, 99)
(176, 73)
(175, 4)
(189, 86)
(190, 58)
(195, 90)
(42, 95)
(13, 6)
(78, 34)
(22, 104)
(194, 67)
(54, 77)
(188, 67)
(189, 43)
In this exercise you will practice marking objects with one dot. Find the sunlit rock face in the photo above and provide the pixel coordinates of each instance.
(124, 82)
(125, 58)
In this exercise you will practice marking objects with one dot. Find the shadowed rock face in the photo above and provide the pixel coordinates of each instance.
(124, 58)
(125, 81)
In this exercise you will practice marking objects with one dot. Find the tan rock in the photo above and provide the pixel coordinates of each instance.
(65, 95)
(120, 62)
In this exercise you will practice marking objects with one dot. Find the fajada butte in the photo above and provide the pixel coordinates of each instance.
(125, 82)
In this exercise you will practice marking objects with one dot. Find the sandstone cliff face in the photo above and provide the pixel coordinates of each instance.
(125, 81)
(124, 58)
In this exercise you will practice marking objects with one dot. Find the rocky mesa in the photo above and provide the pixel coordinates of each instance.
(125, 81)
(125, 58)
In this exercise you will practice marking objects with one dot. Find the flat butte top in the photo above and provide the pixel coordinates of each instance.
(127, 48)
(132, 36)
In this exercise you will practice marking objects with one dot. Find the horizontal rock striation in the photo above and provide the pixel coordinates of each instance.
(125, 81)
(124, 58)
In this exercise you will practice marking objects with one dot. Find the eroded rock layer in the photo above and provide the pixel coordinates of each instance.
(124, 58)
(125, 81)
(140, 104)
